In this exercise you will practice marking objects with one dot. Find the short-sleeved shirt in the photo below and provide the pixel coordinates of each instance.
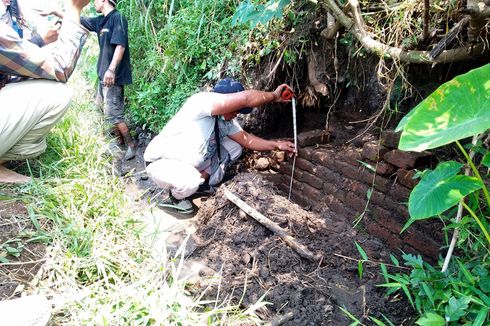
(112, 30)
(189, 135)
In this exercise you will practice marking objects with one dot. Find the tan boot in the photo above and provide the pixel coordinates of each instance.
(9, 176)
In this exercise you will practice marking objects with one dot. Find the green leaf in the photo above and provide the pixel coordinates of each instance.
(377, 321)
(4, 260)
(384, 271)
(456, 308)
(12, 251)
(439, 190)
(480, 318)
(428, 291)
(431, 319)
(485, 284)
(359, 268)
(466, 272)
(361, 251)
(457, 109)
(351, 316)
(403, 122)
(486, 160)
(394, 260)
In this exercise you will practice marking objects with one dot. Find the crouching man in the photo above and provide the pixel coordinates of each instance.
(203, 139)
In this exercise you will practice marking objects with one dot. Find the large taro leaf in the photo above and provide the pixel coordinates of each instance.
(438, 191)
(458, 109)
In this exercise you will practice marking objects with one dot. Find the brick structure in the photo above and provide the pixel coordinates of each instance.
(333, 179)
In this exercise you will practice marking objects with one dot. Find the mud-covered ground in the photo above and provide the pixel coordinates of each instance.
(253, 261)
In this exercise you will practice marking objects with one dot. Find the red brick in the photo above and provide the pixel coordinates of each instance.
(406, 178)
(390, 138)
(312, 194)
(305, 165)
(336, 206)
(363, 175)
(359, 188)
(340, 194)
(423, 244)
(374, 151)
(386, 219)
(275, 179)
(356, 202)
(386, 169)
(305, 153)
(329, 176)
(392, 240)
(351, 155)
(400, 193)
(322, 156)
(312, 180)
(285, 168)
(406, 160)
(313, 137)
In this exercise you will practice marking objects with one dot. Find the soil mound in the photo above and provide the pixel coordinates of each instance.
(253, 261)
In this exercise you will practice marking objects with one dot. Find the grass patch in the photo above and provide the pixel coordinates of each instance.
(100, 269)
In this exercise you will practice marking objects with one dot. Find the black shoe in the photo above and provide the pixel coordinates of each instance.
(183, 206)
(206, 190)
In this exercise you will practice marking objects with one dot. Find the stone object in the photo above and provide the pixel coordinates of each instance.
(262, 164)
(313, 137)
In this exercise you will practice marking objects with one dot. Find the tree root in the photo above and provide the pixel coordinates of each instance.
(356, 27)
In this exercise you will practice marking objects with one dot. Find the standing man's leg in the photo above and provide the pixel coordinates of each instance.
(114, 112)
(26, 120)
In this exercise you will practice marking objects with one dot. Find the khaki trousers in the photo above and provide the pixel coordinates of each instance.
(183, 179)
(28, 111)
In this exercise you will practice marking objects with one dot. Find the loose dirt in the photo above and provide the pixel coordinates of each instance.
(254, 262)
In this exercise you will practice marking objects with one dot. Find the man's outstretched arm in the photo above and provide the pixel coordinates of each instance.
(232, 102)
(55, 61)
(259, 144)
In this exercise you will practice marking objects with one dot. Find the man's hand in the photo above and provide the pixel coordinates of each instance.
(283, 89)
(73, 8)
(51, 34)
(109, 78)
(79, 3)
(46, 12)
(286, 146)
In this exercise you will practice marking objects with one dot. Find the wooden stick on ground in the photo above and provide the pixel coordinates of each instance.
(299, 248)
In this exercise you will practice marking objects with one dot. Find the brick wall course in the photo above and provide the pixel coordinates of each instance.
(312, 180)
(333, 182)
(305, 153)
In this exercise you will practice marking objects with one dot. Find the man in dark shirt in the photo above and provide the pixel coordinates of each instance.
(113, 65)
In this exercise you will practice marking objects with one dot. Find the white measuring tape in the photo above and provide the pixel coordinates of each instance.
(293, 102)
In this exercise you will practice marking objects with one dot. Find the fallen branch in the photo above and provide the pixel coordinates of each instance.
(299, 248)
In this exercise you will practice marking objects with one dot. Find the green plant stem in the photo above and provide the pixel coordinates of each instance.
(475, 171)
(482, 227)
